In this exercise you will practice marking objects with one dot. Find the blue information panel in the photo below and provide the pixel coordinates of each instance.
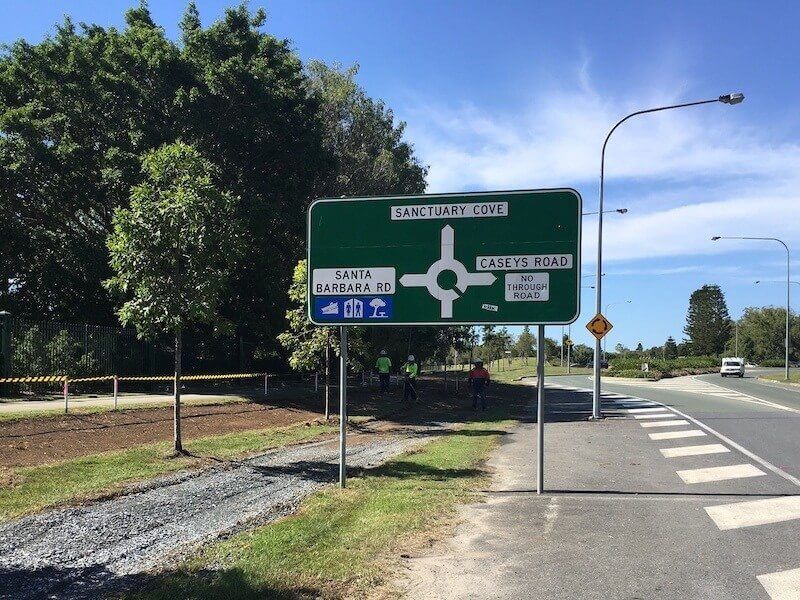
(357, 308)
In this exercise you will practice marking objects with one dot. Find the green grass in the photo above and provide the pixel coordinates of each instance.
(342, 542)
(794, 376)
(508, 373)
(30, 489)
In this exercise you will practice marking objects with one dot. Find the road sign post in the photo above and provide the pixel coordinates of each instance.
(540, 362)
(343, 407)
(491, 258)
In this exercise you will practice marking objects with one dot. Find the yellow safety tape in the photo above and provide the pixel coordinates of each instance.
(60, 378)
(230, 376)
(192, 377)
(34, 379)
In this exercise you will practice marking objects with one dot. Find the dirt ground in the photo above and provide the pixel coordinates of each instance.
(37, 441)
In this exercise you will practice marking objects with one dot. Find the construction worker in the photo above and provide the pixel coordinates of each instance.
(479, 380)
(410, 371)
(384, 366)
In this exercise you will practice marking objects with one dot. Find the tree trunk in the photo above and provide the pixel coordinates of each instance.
(178, 347)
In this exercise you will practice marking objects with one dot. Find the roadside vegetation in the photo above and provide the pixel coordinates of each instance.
(344, 542)
(794, 376)
(25, 490)
(659, 369)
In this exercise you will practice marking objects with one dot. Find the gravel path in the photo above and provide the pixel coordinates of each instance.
(82, 552)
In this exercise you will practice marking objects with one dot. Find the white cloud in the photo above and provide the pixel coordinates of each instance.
(702, 172)
(687, 230)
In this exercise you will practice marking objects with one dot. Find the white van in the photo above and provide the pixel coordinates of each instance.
(732, 366)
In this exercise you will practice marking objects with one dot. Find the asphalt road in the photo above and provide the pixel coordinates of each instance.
(689, 489)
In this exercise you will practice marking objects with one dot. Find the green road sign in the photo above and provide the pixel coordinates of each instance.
(506, 258)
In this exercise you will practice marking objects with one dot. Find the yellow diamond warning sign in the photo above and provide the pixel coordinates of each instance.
(599, 326)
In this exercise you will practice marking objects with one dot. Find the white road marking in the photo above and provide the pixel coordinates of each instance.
(693, 450)
(783, 585)
(665, 415)
(740, 448)
(674, 435)
(755, 512)
(720, 473)
(645, 410)
(764, 463)
(697, 386)
(664, 423)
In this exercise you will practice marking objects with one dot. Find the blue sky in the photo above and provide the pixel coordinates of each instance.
(501, 95)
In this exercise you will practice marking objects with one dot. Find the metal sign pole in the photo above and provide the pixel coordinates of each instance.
(343, 408)
(540, 359)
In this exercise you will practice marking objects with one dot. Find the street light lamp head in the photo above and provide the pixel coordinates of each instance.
(733, 98)
(622, 211)
(715, 238)
(759, 281)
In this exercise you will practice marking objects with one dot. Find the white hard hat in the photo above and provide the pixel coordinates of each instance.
(383, 352)
(410, 357)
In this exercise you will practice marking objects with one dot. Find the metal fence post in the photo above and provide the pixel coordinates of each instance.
(5, 347)
(66, 395)
(116, 390)
(316, 382)
(5, 344)
(266, 383)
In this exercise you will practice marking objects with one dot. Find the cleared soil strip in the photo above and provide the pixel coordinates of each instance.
(39, 441)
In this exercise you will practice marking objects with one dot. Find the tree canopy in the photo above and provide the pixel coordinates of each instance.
(708, 324)
(79, 110)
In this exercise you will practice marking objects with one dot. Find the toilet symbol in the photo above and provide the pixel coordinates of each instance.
(353, 309)
(446, 262)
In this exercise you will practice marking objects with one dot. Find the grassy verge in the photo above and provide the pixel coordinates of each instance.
(343, 543)
(794, 376)
(517, 370)
(26, 490)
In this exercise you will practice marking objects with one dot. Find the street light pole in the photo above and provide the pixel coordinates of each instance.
(788, 280)
(734, 98)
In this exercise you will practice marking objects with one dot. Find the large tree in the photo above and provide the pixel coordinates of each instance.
(371, 157)
(708, 324)
(79, 109)
(670, 348)
(173, 249)
(76, 112)
(762, 334)
(525, 345)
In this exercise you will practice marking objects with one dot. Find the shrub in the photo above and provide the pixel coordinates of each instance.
(635, 374)
(773, 362)
(665, 366)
